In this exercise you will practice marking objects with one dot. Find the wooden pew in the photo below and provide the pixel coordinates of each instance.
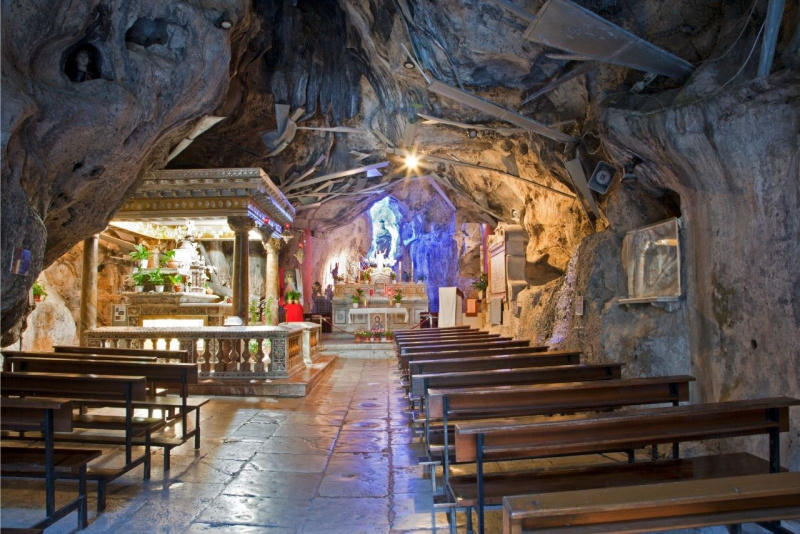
(96, 388)
(506, 377)
(449, 406)
(175, 375)
(181, 356)
(460, 344)
(37, 354)
(445, 337)
(404, 361)
(46, 416)
(663, 506)
(499, 361)
(429, 331)
(509, 439)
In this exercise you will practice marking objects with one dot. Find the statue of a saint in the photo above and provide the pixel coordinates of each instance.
(383, 240)
(380, 260)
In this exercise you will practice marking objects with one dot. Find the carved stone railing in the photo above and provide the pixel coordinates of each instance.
(223, 351)
(312, 340)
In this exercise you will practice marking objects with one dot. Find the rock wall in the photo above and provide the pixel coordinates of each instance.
(55, 320)
(75, 140)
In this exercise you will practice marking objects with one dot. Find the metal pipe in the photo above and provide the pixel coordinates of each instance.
(773, 25)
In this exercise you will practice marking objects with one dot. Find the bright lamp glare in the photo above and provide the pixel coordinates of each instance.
(412, 161)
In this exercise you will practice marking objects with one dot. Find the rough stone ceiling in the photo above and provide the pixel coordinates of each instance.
(73, 150)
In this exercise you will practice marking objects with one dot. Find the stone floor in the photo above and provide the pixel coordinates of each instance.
(341, 460)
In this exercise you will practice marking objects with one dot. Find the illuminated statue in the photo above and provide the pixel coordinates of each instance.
(380, 260)
(383, 240)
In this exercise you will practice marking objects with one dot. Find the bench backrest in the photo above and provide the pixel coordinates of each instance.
(445, 337)
(559, 397)
(177, 355)
(24, 414)
(662, 506)
(75, 356)
(405, 359)
(73, 386)
(604, 432)
(428, 331)
(420, 384)
(500, 361)
(458, 346)
(164, 374)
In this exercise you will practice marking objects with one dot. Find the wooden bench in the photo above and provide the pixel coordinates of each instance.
(14, 353)
(48, 462)
(112, 389)
(430, 331)
(450, 406)
(420, 384)
(455, 345)
(177, 375)
(181, 356)
(663, 506)
(500, 361)
(509, 439)
(446, 337)
(403, 362)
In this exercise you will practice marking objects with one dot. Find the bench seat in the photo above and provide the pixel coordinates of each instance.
(661, 506)
(30, 462)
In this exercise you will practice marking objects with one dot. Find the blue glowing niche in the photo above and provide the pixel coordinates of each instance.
(385, 234)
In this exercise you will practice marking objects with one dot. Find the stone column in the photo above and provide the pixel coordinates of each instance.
(88, 318)
(271, 246)
(241, 227)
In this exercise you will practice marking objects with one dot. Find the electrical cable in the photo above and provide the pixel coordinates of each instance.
(749, 15)
(746, 61)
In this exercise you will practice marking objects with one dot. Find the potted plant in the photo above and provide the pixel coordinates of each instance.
(357, 335)
(357, 297)
(177, 282)
(389, 335)
(167, 259)
(209, 291)
(480, 284)
(139, 280)
(421, 279)
(292, 297)
(141, 254)
(157, 279)
(397, 297)
(39, 292)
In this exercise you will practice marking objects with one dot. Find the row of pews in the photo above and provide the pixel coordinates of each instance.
(479, 398)
(88, 397)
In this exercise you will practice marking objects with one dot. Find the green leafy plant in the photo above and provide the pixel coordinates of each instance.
(268, 310)
(421, 278)
(156, 277)
(139, 278)
(398, 296)
(176, 279)
(253, 310)
(292, 296)
(166, 257)
(389, 335)
(481, 283)
(39, 291)
(141, 253)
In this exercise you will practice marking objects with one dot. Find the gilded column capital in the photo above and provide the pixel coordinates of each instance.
(241, 224)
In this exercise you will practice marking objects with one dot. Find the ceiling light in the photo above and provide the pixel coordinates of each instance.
(224, 21)
(412, 161)
(472, 133)
(408, 64)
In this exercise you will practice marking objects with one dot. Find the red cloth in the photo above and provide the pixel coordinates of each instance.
(294, 313)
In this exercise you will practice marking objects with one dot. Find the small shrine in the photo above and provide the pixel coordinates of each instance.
(378, 298)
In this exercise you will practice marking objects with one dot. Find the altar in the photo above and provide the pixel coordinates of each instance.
(377, 299)
(373, 316)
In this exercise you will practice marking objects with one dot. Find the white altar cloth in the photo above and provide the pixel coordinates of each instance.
(382, 311)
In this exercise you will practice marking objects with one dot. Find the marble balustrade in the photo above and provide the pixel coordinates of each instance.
(225, 351)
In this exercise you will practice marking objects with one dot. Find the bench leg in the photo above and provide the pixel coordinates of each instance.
(196, 429)
(735, 529)
(147, 457)
(101, 495)
(470, 529)
(775, 526)
(83, 501)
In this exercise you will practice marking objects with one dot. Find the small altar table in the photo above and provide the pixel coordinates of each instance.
(384, 311)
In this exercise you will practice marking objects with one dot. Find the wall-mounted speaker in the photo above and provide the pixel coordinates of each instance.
(601, 177)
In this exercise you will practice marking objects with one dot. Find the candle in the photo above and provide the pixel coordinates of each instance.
(400, 271)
